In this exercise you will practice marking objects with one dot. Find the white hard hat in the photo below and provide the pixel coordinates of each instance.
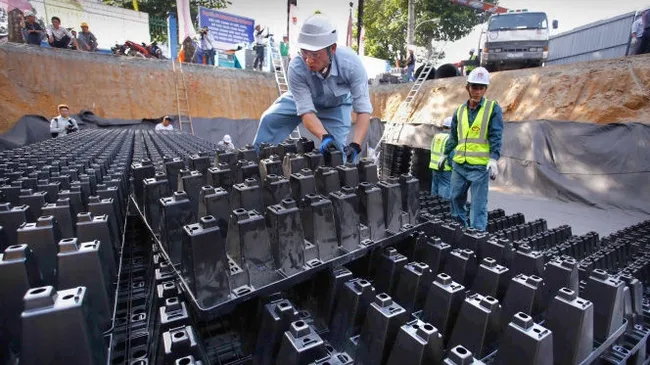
(227, 138)
(472, 50)
(447, 122)
(28, 13)
(479, 75)
(316, 33)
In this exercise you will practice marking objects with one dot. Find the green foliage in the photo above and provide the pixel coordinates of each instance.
(159, 9)
(385, 23)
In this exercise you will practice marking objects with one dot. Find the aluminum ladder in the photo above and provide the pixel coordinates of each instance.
(394, 129)
(182, 100)
(281, 78)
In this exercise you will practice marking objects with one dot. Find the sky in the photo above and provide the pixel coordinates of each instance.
(569, 13)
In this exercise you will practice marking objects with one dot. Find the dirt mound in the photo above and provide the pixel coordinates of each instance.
(602, 92)
(34, 80)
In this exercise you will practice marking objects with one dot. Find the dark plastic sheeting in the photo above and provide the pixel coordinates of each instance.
(599, 165)
(34, 128)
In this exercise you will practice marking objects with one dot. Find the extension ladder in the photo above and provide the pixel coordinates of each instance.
(281, 78)
(394, 129)
(182, 101)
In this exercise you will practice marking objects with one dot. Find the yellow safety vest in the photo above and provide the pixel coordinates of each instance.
(469, 68)
(473, 146)
(437, 150)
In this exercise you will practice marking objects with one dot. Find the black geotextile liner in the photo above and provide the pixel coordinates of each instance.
(599, 165)
(34, 128)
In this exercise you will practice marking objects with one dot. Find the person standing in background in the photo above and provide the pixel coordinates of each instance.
(207, 46)
(259, 47)
(410, 66)
(441, 177)
(284, 52)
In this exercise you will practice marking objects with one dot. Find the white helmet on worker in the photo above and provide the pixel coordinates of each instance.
(479, 75)
(227, 138)
(317, 33)
(472, 50)
(447, 122)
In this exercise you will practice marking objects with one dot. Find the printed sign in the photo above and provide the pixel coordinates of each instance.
(226, 30)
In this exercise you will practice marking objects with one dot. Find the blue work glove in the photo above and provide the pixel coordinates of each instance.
(328, 144)
(352, 151)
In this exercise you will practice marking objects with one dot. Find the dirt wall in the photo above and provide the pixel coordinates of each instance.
(34, 80)
(603, 92)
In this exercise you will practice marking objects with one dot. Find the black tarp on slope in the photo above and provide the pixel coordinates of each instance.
(600, 165)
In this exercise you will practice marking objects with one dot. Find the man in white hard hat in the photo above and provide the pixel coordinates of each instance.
(475, 139)
(325, 84)
(225, 144)
(441, 177)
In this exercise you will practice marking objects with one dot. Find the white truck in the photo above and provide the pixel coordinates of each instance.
(515, 39)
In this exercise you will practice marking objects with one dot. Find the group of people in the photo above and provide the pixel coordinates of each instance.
(327, 83)
(464, 155)
(203, 51)
(640, 41)
(56, 35)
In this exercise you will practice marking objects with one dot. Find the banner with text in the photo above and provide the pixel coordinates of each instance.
(226, 30)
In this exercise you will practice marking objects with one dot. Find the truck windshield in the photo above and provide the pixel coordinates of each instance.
(513, 21)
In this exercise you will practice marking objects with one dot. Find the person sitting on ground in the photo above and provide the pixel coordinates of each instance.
(32, 30)
(165, 125)
(225, 144)
(63, 124)
(58, 36)
(86, 40)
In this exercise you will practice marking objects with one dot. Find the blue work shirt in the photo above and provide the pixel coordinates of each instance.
(347, 77)
(637, 27)
(495, 129)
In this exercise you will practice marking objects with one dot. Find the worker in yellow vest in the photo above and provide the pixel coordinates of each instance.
(472, 57)
(475, 138)
(441, 178)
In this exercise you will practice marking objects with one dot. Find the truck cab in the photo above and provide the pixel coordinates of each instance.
(516, 39)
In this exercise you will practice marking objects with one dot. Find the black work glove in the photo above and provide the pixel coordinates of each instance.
(352, 152)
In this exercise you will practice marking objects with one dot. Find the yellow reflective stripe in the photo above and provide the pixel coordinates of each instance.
(476, 154)
(487, 110)
(460, 119)
(476, 140)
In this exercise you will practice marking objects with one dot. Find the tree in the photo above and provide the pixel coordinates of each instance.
(158, 9)
(385, 23)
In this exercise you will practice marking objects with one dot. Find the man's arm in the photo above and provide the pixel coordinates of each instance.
(314, 125)
(495, 132)
(361, 127)
(452, 141)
